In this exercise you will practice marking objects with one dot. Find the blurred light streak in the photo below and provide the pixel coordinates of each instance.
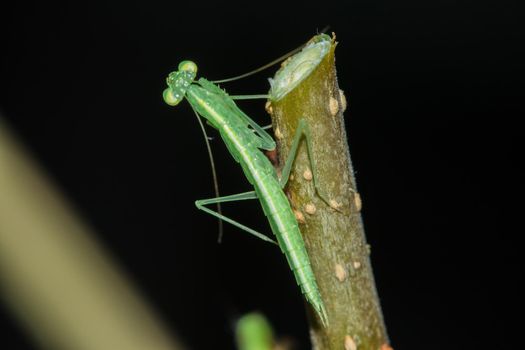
(55, 278)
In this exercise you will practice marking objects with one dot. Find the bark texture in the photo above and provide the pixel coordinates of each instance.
(335, 239)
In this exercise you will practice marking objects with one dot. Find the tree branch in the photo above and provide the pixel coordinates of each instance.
(333, 234)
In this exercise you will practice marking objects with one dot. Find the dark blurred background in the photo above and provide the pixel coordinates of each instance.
(432, 123)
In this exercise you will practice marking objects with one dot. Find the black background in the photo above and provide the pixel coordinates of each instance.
(432, 125)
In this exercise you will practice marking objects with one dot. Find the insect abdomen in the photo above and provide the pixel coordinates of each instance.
(284, 226)
(242, 144)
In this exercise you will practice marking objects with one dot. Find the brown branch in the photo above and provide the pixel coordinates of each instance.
(334, 239)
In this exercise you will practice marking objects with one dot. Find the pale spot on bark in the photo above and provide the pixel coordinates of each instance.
(350, 343)
(334, 106)
(310, 208)
(307, 175)
(335, 204)
(278, 134)
(268, 107)
(340, 273)
(357, 201)
(299, 216)
(343, 99)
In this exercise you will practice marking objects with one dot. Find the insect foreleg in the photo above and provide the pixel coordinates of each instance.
(232, 198)
(267, 142)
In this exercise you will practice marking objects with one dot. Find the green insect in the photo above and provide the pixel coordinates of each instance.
(245, 139)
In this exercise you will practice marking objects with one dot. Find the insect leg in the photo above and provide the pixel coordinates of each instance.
(302, 130)
(249, 97)
(232, 198)
(267, 142)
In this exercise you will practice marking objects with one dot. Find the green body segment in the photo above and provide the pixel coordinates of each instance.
(244, 144)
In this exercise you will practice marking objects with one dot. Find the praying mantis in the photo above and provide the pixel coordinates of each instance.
(246, 140)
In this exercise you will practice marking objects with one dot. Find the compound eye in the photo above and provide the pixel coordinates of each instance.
(188, 66)
(171, 98)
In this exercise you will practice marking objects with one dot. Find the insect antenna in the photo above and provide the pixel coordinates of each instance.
(257, 70)
(213, 171)
(268, 65)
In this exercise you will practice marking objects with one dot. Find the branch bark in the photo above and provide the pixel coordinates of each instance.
(335, 239)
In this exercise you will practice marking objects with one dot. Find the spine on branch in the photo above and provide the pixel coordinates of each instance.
(333, 233)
